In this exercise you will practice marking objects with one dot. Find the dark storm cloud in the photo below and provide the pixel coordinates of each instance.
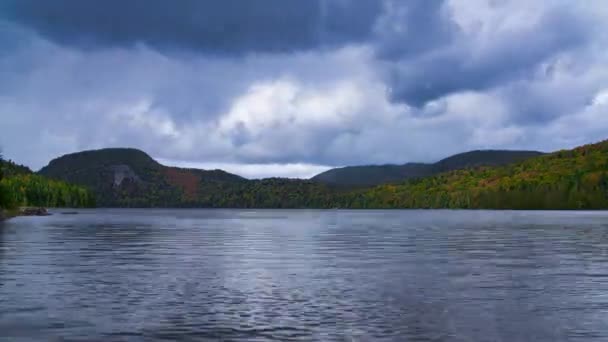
(423, 51)
(432, 57)
(412, 27)
(226, 26)
(294, 85)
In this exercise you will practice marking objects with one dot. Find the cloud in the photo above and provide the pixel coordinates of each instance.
(466, 52)
(227, 26)
(324, 108)
(411, 28)
(398, 81)
(255, 171)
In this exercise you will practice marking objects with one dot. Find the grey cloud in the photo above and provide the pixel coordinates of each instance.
(169, 107)
(411, 28)
(227, 26)
(454, 88)
(447, 60)
(423, 52)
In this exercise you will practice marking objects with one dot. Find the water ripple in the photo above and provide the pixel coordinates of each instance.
(289, 275)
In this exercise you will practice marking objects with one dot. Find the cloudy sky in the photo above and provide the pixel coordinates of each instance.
(292, 87)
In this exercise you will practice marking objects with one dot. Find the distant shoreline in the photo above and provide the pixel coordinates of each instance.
(23, 211)
(315, 208)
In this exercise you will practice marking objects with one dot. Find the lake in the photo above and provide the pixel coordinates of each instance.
(283, 275)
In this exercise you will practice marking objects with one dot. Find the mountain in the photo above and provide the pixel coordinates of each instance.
(482, 158)
(131, 178)
(567, 179)
(122, 177)
(370, 175)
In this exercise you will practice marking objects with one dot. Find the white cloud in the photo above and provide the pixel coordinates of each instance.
(601, 98)
(296, 114)
(141, 116)
(255, 171)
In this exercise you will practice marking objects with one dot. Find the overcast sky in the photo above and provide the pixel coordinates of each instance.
(292, 87)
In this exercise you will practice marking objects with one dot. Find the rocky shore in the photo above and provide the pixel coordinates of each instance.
(23, 211)
(7, 214)
(33, 211)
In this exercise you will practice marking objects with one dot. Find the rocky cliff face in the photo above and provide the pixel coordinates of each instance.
(122, 172)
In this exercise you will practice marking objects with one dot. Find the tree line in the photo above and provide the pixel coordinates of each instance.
(19, 186)
(569, 179)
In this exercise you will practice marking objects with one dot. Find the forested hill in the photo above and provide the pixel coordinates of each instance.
(369, 175)
(573, 179)
(126, 177)
(568, 179)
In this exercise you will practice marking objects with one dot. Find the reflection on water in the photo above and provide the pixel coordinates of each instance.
(146, 275)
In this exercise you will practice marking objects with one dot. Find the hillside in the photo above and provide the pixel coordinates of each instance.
(568, 179)
(19, 186)
(370, 175)
(127, 177)
(572, 179)
(9, 168)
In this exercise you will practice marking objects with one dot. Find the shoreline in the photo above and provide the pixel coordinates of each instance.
(6, 214)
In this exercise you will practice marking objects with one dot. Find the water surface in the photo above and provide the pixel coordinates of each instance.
(264, 275)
